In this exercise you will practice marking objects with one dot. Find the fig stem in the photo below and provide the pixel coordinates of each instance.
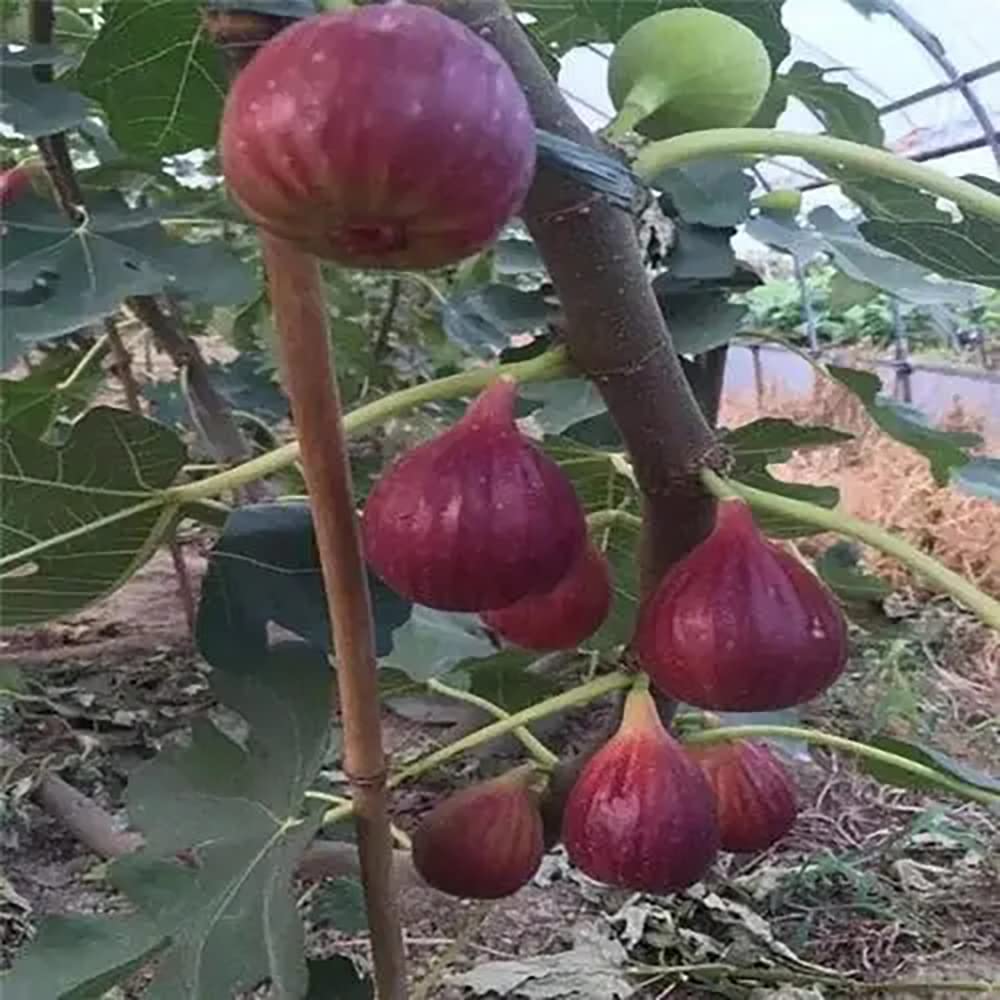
(817, 736)
(607, 518)
(840, 153)
(541, 753)
(950, 582)
(401, 837)
(579, 695)
(552, 364)
(298, 303)
(645, 98)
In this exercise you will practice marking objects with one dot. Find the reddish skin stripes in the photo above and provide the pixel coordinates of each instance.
(740, 625)
(562, 618)
(484, 841)
(641, 815)
(754, 794)
(379, 137)
(476, 518)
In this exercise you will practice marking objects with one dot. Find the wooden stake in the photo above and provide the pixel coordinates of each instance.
(300, 317)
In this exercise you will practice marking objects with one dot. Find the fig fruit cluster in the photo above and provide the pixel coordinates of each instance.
(481, 519)
(379, 137)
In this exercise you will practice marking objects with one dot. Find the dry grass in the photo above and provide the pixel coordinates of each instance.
(886, 482)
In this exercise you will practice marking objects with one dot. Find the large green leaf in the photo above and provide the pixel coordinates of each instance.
(80, 958)
(855, 256)
(432, 643)
(906, 222)
(565, 23)
(843, 112)
(980, 477)
(224, 825)
(157, 76)
(32, 107)
(337, 977)
(708, 193)
(565, 403)
(57, 278)
(840, 566)
(945, 450)
(603, 479)
(265, 568)
(702, 253)
(482, 319)
(78, 520)
(504, 679)
(33, 402)
(620, 544)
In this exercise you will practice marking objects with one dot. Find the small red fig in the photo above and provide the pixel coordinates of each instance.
(641, 815)
(484, 841)
(564, 616)
(754, 794)
(18, 180)
(476, 518)
(382, 136)
(740, 625)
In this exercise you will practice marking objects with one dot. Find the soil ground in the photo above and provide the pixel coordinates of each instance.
(874, 882)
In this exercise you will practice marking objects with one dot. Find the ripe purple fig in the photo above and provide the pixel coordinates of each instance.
(562, 618)
(384, 136)
(754, 794)
(476, 518)
(484, 841)
(641, 814)
(740, 625)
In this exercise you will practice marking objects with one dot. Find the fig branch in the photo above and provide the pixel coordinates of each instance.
(551, 365)
(582, 694)
(820, 738)
(950, 582)
(667, 153)
(615, 331)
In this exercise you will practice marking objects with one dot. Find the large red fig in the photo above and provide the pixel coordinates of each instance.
(641, 814)
(484, 841)
(740, 625)
(382, 136)
(476, 518)
(754, 794)
(562, 618)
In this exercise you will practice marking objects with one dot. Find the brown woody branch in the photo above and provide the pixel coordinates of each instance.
(615, 332)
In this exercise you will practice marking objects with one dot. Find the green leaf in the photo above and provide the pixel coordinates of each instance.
(157, 76)
(244, 381)
(57, 278)
(929, 757)
(620, 543)
(852, 254)
(29, 106)
(432, 643)
(908, 223)
(224, 827)
(294, 9)
(32, 403)
(770, 439)
(944, 450)
(482, 320)
(758, 444)
(698, 323)
(339, 903)
(80, 519)
(980, 477)
(337, 977)
(840, 567)
(701, 252)
(603, 479)
(80, 958)
(565, 403)
(265, 568)
(709, 193)
(504, 679)
(846, 291)
(843, 112)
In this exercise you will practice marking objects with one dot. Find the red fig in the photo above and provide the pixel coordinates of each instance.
(476, 518)
(754, 794)
(641, 814)
(382, 136)
(484, 841)
(562, 618)
(740, 625)
(16, 181)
